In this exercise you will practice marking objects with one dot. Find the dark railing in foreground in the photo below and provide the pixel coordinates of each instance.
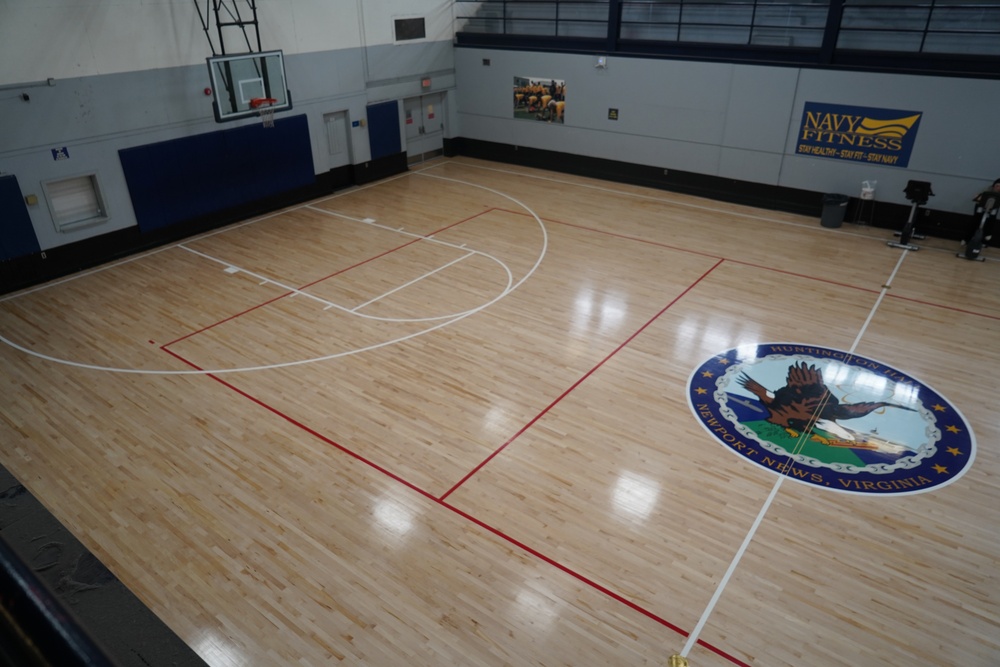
(35, 629)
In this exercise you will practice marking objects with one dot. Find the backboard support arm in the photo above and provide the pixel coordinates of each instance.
(231, 15)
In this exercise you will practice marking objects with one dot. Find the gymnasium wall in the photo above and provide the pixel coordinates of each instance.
(128, 75)
(736, 122)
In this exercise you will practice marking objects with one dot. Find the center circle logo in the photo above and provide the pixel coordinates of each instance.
(831, 419)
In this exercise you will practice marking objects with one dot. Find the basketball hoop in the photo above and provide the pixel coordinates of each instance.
(265, 109)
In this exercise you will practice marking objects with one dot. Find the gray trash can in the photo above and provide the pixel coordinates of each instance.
(834, 210)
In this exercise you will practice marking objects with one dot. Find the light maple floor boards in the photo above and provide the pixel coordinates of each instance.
(445, 423)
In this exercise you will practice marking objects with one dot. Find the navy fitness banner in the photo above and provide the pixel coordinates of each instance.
(861, 134)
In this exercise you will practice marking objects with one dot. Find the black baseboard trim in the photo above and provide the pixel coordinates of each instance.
(886, 215)
(452, 147)
(338, 178)
(375, 170)
(674, 180)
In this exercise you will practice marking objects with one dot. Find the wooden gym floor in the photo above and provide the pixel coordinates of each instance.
(442, 419)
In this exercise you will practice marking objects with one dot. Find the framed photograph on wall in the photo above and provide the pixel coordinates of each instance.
(540, 98)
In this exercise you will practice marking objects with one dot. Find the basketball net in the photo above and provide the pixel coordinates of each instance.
(265, 109)
(266, 116)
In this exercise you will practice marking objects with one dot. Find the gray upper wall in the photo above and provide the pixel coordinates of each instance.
(736, 121)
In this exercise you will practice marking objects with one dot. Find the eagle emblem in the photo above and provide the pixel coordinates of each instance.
(805, 404)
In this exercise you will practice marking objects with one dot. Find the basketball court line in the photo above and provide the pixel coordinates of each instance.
(315, 282)
(354, 311)
(662, 200)
(461, 316)
(232, 268)
(441, 501)
(292, 291)
(704, 254)
(83, 274)
(430, 239)
(416, 239)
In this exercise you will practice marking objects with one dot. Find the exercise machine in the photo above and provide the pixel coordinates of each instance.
(917, 192)
(987, 206)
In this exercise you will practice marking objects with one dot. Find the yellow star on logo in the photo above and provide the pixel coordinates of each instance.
(724, 361)
(954, 451)
(953, 429)
(938, 407)
(701, 390)
(941, 469)
(707, 374)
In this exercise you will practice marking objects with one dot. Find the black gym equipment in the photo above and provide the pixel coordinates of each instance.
(987, 206)
(917, 192)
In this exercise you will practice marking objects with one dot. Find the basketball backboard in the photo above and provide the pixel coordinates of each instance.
(238, 79)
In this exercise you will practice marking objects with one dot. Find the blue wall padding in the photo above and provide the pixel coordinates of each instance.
(17, 236)
(383, 129)
(182, 179)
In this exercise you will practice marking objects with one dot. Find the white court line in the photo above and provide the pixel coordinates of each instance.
(91, 272)
(299, 362)
(264, 279)
(693, 637)
(878, 301)
(372, 223)
(400, 230)
(415, 280)
(311, 207)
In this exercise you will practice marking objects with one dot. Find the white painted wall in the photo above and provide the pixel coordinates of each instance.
(42, 39)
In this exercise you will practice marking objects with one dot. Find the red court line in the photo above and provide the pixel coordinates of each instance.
(938, 305)
(701, 254)
(580, 381)
(315, 282)
(437, 231)
(305, 428)
(465, 515)
(231, 317)
(620, 236)
(862, 289)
